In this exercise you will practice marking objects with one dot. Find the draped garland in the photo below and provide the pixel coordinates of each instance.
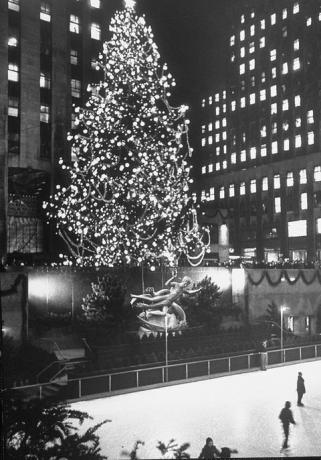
(284, 275)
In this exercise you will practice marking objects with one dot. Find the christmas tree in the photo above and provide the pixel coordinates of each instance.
(127, 199)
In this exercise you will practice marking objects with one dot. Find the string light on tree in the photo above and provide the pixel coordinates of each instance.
(127, 198)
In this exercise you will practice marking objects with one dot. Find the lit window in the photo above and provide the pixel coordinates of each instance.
(286, 144)
(252, 64)
(252, 80)
(242, 188)
(253, 186)
(284, 13)
(289, 179)
(217, 124)
(14, 5)
(233, 57)
(252, 47)
(310, 138)
(210, 140)
(75, 88)
(95, 31)
(243, 155)
(274, 109)
(319, 225)
(217, 111)
(252, 98)
(262, 24)
(224, 122)
(218, 166)
(224, 94)
(74, 24)
(298, 122)
(304, 201)
(276, 181)
(224, 164)
(232, 40)
(298, 141)
(95, 3)
(242, 35)
(296, 44)
(252, 14)
(233, 105)
(285, 68)
(203, 195)
(309, 22)
(217, 137)
(242, 69)
(242, 52)
(297, 228)
(224, 108)
(12, 41)
(317, 173)
(44, 113)
(242, 19)
(13, 106)
(273, 72)
(203, 129)
(263, 150)
(320, 16)
(233, 158)
(262, 94)
(217, 150)
(275, 147)
(242, 104)
(273, 55)
(296, 64)
(253, 153)
(297, 101)
(310, 117)
(210, 167)
(262, 42)
(210, 100)
(285, 125)
(285, 104)
(203, 103)
(45, 11)
(273, 19)
(217, 97)
(273, 91)
(73, 57)
(277, 204)
(303, 176)
(222, 192)
(284, 31)
(224, 135)
(212, 193)
(203, 142)
(244, 136)
(263, 131)
(265, 184)
(263, 77)
(203, 169)
(232, 190)
(296, 8)
(210, 126)
(44, 81)
(13, 72)
(274, 127)
(252, 30)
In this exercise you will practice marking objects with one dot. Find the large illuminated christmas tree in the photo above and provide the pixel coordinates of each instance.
(128, 195)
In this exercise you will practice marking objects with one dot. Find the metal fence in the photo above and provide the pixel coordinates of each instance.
(162, 375)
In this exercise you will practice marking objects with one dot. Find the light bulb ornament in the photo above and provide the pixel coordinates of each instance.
(127, 192)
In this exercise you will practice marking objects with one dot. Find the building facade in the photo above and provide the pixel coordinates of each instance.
(258, 173)
(48, 52)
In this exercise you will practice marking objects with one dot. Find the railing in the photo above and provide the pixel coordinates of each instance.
(163, 375)
(62, 367)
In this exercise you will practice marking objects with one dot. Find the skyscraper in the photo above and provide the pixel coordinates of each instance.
(259, 168)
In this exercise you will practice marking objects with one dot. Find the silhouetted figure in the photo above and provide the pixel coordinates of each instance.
(300, 388)
(209, 451)
(226, 452)
(286, 418)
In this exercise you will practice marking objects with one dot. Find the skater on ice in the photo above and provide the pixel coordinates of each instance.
(300, 388)
(286, 417)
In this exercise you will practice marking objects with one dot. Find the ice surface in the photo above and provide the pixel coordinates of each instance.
(239, 411)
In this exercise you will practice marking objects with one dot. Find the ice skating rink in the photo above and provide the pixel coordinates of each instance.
(239, 411)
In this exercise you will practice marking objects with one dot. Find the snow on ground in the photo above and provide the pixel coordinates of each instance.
(239, 411)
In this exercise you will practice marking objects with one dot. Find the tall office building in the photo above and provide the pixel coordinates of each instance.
(48, 51)
(259, 167)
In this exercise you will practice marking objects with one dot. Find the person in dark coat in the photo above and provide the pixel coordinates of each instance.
(226, 452)
(209, 451)
(300, 388)
(286, 418)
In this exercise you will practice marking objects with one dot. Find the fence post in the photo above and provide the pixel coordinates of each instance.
(137, 379)
(300, 353)
(315, 351)
(208, 368)
(186, 371)
(248, 361)
(229, 364)
(40, 392)
(79, 388)
(109, 382)
(163, 374)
